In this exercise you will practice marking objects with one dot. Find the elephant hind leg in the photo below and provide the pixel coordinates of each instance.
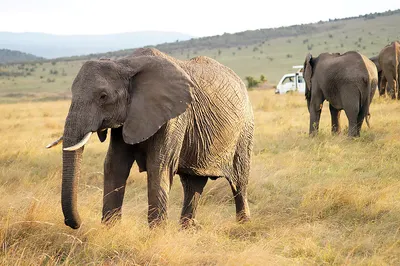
(192, 189)
(360, 119)
(353, 123)
(335, 117)
(239, 191)
(239, 182)
(391, 88)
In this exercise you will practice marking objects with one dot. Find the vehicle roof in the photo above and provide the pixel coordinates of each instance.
(294, 74)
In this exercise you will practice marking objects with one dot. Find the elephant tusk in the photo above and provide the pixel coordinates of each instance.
(80, 143)
(55, 143)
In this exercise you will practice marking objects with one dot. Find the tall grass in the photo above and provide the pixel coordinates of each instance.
(322, 200)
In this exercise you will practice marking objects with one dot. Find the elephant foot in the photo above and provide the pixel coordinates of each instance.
(111, 219)
(157, 223)
(243, 219)
(192, 224)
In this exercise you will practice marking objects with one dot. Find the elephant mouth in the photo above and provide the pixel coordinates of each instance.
(80, 144)
(101, 133)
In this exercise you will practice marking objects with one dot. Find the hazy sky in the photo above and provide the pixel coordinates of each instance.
(198, 18)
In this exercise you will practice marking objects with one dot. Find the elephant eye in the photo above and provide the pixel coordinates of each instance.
(103, 96)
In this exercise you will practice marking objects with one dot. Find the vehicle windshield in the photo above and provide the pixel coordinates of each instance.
(288, 80)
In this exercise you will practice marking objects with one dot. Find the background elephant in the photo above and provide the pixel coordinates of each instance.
(191, 118)
(348, 82)
(389, 59)
(381, 88)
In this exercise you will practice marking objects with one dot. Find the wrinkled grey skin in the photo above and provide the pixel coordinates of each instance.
(389, 59)
(348, 82)
(381, 87)
(191, 118)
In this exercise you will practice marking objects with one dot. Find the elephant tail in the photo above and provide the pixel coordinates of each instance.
(371, 90)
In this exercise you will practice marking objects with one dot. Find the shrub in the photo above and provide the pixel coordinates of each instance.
(251, 82)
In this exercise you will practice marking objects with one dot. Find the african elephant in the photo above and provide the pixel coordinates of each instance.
(348, 82)
(191, 118)
(381, 88)
(389, 59)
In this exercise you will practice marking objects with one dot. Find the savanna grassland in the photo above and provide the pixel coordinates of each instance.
(322, 200)
(314, 201)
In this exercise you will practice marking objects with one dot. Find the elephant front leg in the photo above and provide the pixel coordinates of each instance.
(335, 117)
(315, 115)
(117, 166)
(159, 183)
(192, 189)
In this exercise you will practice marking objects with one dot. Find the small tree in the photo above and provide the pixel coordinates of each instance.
(251, 82)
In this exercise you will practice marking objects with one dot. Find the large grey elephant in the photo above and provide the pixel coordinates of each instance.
(389, 60)
(191, 118)
(348, 82)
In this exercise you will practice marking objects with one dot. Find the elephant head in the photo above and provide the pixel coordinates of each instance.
(307, 74)
(140, 93)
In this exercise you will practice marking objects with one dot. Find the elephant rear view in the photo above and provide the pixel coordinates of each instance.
(389, 60)
(347, 81)
(191, 118)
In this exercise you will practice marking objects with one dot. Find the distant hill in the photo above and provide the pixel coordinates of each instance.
(11, 56)
(268, 52)
(259, 37)
(52, 46)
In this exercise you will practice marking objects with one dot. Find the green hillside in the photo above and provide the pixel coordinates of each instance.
(11, 56)
(271, 52)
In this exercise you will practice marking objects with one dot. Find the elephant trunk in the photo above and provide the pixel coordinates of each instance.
(72, 161)
(70, 177)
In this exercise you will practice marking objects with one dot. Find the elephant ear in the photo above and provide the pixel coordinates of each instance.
(307, 72)
(159, 91)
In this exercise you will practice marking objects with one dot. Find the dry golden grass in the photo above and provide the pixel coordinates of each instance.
(322, 200)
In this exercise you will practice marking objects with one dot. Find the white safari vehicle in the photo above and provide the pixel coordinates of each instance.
(292, 82)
